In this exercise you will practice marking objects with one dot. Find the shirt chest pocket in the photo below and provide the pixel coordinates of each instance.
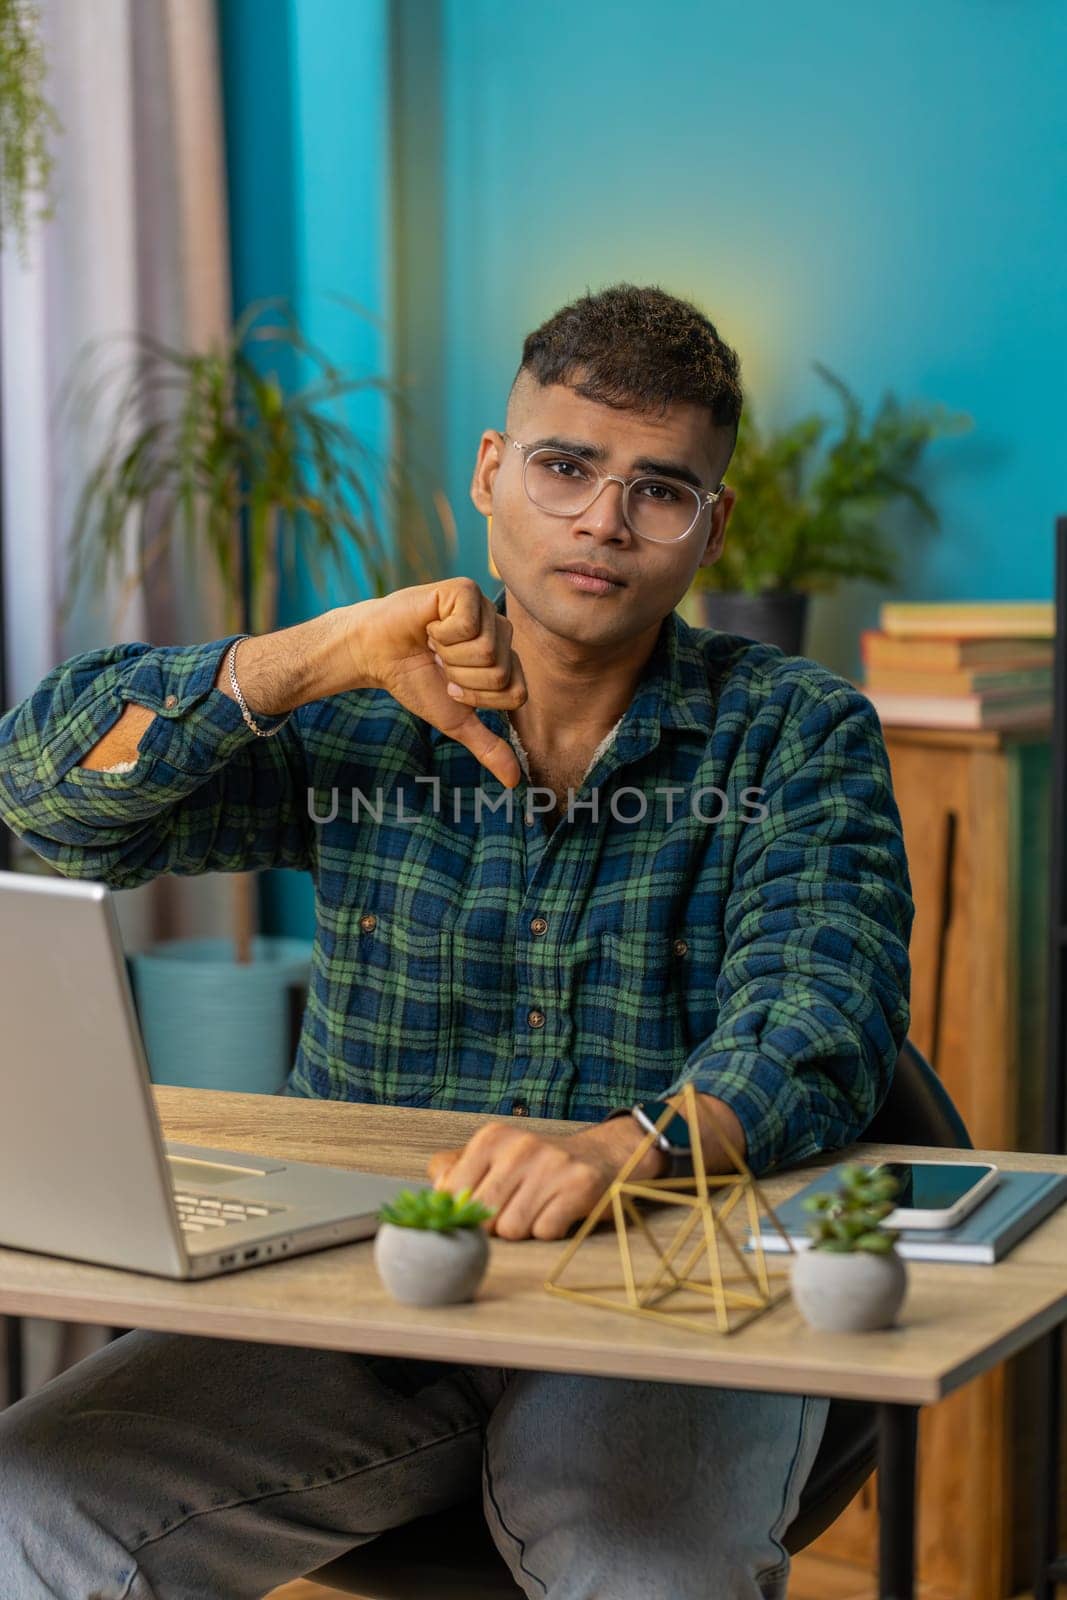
(391, 1005)
(630, 990)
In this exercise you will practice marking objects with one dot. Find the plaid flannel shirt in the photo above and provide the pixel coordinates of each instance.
(728, 904)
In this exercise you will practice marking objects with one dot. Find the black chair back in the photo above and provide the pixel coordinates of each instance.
(917, 1109)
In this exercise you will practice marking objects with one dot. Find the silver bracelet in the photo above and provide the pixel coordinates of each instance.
(264, 733)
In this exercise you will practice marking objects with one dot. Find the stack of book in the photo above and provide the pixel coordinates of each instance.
(979, 665)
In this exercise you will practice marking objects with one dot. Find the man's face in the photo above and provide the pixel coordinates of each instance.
(530, 546)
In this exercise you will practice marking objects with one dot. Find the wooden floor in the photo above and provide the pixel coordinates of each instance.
(813, 1579)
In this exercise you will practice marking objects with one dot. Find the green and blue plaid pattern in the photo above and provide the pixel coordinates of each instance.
(737, 913)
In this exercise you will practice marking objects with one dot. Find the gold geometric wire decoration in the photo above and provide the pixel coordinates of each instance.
(709, 1200)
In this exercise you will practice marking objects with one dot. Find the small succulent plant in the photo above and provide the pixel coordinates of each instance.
(437, 1209)
(850, 1219)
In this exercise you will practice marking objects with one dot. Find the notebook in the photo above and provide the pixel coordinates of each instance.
(1018, 1203)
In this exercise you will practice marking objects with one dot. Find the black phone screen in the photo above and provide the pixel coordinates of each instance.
(935, 1187)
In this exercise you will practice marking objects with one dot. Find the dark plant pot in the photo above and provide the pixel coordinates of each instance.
(778, 616)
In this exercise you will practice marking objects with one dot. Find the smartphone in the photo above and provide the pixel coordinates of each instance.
(938, 1194)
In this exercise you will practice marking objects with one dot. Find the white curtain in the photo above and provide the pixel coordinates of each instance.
(138, 242)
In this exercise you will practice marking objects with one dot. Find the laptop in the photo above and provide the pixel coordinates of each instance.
(84, 1171)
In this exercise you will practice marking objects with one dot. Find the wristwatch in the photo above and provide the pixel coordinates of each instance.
(672, 1138)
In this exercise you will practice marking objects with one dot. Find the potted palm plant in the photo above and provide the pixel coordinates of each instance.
(809, 512)
(430, 1248)
(850, 1278)
(216, 450)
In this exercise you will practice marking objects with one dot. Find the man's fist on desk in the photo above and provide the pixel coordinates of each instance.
(539, 1184)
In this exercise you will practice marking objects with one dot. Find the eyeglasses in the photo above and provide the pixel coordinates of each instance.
(657, 508)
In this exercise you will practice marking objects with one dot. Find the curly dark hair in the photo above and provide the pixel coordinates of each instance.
(637, 349)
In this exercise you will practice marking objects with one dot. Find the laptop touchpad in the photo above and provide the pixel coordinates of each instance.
(184, 1170)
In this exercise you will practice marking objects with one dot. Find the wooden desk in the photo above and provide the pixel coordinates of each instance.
(957, 1321)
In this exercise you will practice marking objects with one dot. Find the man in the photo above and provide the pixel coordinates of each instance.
(569, 854)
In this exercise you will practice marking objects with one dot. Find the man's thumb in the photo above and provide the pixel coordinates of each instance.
(491, 751)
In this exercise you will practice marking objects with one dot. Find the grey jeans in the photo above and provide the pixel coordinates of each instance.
(177, 1468)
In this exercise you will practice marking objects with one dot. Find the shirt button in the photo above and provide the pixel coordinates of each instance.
(536, 1019)
(519, 1108)
(532, 821)
(680, 947)
(368, 923)
(538, 926)
(171, 700)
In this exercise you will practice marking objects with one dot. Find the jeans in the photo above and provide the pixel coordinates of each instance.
(168, 1467)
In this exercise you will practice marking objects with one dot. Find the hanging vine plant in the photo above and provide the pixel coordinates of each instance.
(27, 120)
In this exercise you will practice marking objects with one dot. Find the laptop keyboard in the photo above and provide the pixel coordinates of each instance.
(199, 1213)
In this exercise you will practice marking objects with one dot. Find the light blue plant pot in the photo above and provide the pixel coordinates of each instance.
(209, 1023)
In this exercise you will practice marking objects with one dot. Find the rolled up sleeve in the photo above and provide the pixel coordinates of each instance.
(204, 794)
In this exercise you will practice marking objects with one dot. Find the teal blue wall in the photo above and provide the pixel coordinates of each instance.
(883, 189)
(307, 131)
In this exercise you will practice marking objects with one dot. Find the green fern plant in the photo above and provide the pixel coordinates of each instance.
(241, 450)
(435, 1209)
(809, 512)
(850, 1218)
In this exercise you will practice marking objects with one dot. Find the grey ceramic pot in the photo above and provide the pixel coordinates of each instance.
(848, 1291)
(429, 1267)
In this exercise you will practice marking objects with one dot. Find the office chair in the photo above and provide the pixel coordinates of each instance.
(451, 1556)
